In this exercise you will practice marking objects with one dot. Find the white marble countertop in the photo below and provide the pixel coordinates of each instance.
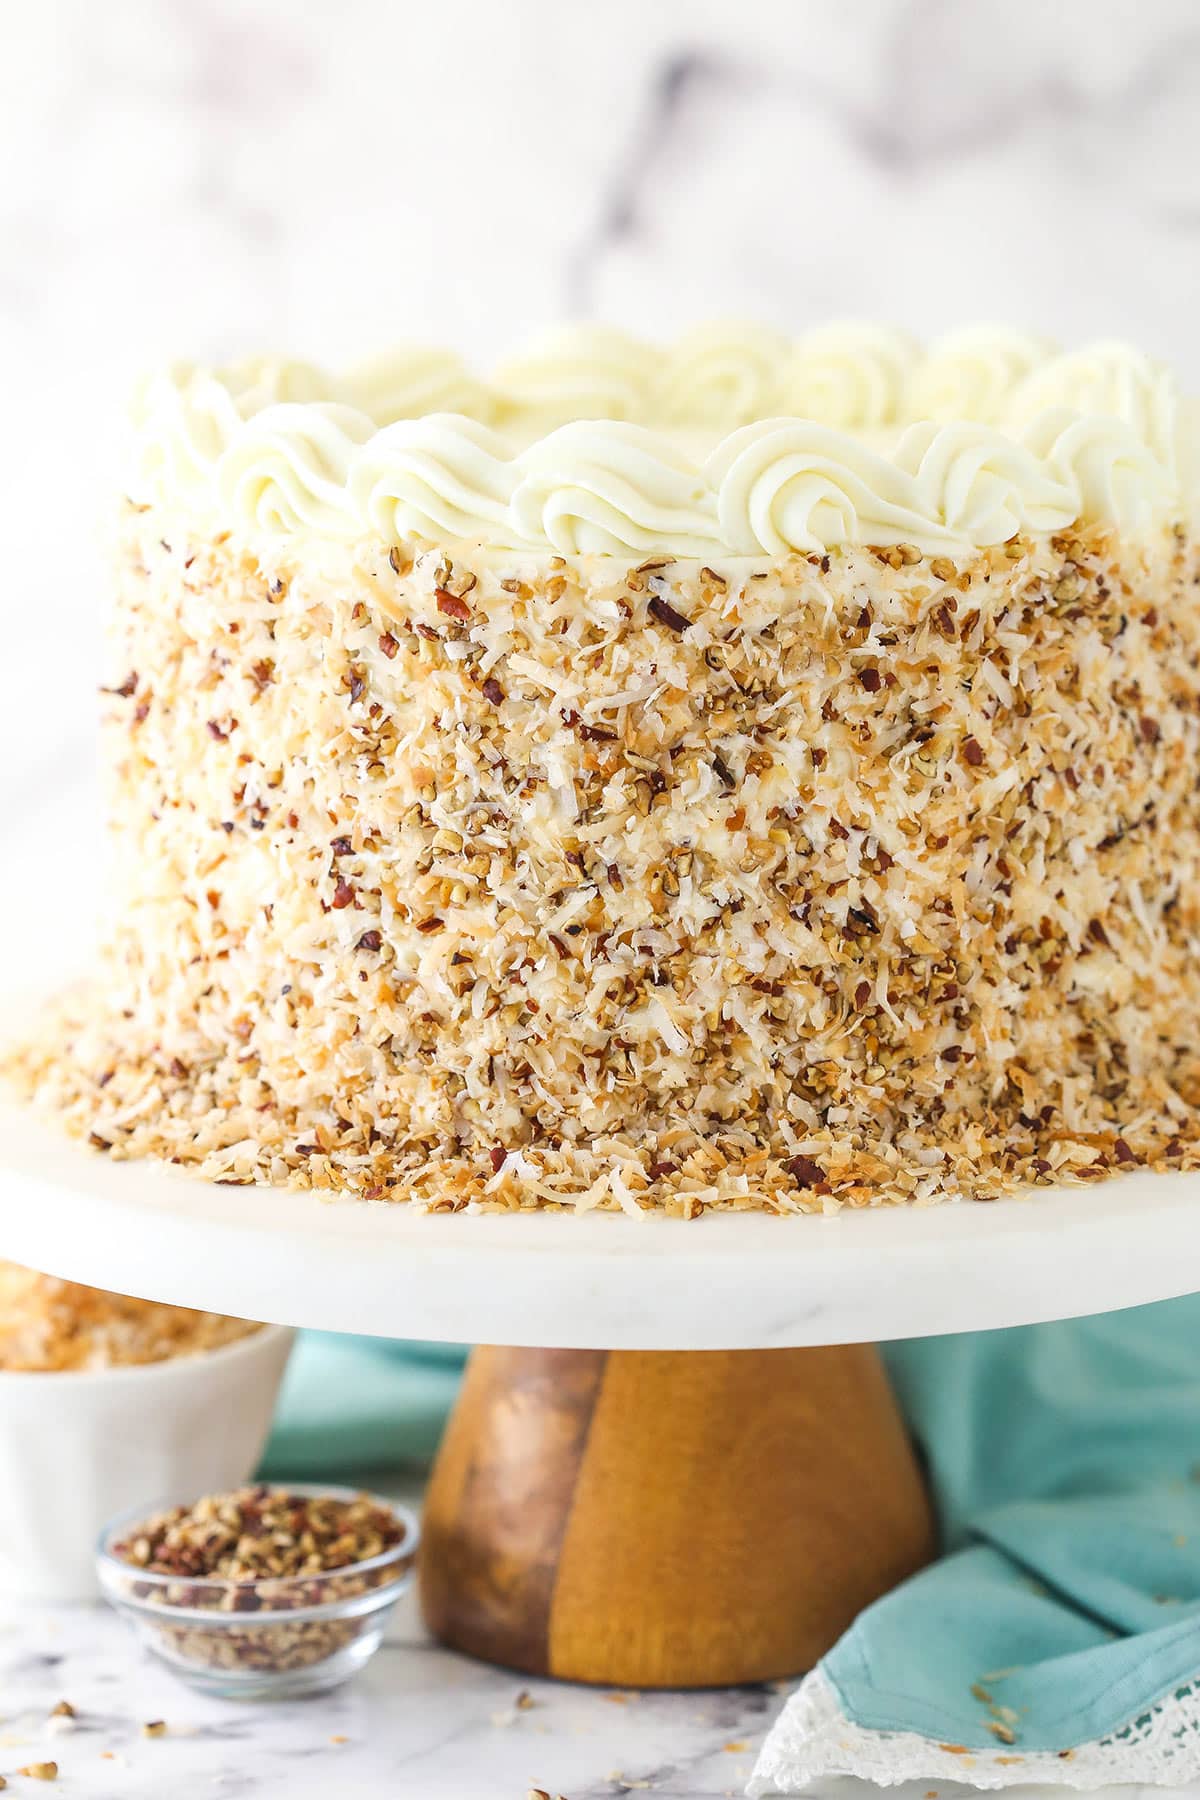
(417, 1724)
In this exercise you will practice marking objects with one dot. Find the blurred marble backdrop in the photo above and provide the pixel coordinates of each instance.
(206, 176)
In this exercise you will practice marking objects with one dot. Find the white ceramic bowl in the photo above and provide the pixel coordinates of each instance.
(78, 1447)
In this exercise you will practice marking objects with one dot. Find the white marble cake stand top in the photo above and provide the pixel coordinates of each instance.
(601, 1280)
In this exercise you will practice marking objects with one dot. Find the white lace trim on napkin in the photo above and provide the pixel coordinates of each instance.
(812, 1740)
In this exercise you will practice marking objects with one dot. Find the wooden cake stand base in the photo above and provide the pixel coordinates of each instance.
(658, 1518)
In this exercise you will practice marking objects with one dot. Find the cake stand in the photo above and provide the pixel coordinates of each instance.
(690, 1472)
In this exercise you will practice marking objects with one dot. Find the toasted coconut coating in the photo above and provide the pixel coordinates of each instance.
(491, 878)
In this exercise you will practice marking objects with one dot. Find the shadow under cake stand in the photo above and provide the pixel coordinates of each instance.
(690, 1472)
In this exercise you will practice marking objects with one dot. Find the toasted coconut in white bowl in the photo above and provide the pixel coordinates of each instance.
(103, 1407)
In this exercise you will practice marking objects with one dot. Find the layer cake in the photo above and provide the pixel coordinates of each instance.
(745, 773)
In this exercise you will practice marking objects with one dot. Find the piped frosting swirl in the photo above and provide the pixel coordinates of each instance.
(602, 487)
(289, 469)
(788, 484)
(437, 477)
(850, 376)
(973, 374)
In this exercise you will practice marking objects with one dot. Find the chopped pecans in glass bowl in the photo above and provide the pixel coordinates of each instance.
(263, 1593)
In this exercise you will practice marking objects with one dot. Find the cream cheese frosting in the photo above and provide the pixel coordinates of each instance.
(733, 441)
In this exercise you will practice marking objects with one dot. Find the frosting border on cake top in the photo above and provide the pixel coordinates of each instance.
(734, 441)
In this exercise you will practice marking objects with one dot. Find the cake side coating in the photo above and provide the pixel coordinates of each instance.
(458, 876)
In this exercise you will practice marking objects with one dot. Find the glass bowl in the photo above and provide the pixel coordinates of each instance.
(267, 1639)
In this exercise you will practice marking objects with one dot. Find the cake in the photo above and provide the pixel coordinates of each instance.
(748, 773)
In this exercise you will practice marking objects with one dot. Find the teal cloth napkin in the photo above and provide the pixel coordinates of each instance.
(1064, 1462)
(352, 1404)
